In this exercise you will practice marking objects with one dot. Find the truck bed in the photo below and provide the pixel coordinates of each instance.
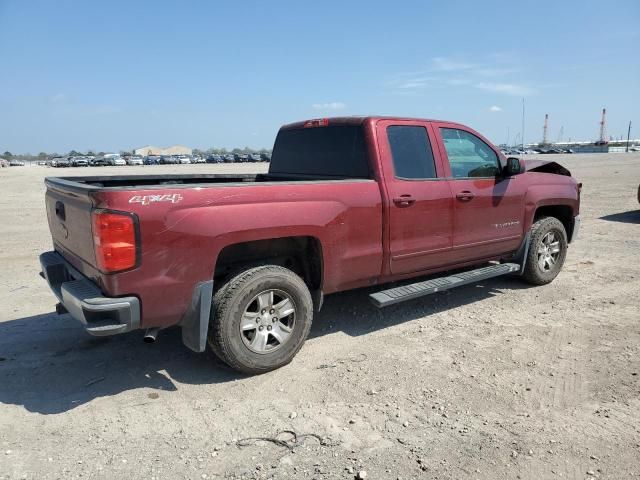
(177, 180)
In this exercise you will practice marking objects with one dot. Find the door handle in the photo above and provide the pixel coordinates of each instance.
(404, 201)
(60, 211)
(465, 195)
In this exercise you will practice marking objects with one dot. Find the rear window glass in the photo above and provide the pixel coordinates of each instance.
(337, 151)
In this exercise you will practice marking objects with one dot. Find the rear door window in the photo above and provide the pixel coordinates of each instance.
(469, 156)
(411, 152)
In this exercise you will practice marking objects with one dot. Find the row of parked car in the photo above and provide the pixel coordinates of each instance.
(115, 159)
(239, 157)
(536, 151)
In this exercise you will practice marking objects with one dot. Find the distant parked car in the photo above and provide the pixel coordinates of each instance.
(152, 160)
(228, 158)
(214, 158)
(98, 162)
(197, 159)
(254, 157)
(59, 162)
(114, 159)
(4, 163)
(265, 157)
(240, 157)
(16, 163)
(78, 162)
(168, 160)
(134, 160)
(183, 159)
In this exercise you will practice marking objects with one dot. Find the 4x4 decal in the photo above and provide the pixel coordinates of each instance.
(148, 199)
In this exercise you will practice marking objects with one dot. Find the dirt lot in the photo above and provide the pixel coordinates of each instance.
(494, 381)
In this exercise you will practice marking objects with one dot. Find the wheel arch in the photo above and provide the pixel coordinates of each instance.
(564, 213)
(301, 254)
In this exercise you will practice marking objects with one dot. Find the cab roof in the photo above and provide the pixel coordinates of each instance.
(352, 120)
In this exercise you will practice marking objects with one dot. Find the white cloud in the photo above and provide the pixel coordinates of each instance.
(329, 106)
(444, 64)
(414, 83)
(458, 81)
(410, 83)
(495, 108)
(494, 71)
(506, 88)
(58, 98)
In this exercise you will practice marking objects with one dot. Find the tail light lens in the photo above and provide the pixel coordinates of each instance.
(114, 238)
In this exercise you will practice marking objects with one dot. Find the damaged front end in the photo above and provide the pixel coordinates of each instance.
(544, 166)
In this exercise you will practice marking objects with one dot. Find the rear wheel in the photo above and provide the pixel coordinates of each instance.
(260, 319)
(547, 251)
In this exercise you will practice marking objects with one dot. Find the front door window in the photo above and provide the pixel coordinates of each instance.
(469, 157)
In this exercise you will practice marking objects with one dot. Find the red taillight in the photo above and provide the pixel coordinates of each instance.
(114, 238)
(322, 122)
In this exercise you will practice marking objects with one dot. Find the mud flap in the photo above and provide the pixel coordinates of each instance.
(520, 256)
(195, 323)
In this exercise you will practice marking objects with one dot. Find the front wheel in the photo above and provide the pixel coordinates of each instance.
(547, 251)
(260, 319)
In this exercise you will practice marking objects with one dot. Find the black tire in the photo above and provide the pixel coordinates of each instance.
(237, 295)
(534, 273)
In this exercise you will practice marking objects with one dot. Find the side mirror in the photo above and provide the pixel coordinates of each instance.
(513, 167)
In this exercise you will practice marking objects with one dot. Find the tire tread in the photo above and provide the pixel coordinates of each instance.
(222, 299)
(541, 226)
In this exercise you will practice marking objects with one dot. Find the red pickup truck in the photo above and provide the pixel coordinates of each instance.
(241, 262)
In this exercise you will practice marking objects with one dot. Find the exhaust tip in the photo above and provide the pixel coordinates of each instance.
(150, 335)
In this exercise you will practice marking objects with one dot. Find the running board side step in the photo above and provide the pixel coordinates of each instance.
(419, 289)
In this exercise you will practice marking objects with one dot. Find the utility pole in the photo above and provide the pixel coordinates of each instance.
(628, 135)
(523, 124)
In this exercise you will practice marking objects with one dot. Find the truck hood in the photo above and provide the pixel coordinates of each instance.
(545, 166)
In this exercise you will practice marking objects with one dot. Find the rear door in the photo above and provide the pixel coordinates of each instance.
(488, 208)
(420, 215)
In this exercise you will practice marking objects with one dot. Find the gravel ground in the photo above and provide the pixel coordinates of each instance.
(494, 381)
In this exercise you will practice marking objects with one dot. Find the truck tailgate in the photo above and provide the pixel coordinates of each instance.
(69, 216)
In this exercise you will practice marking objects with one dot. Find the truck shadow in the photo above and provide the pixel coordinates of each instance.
(352, 313)
(49, 365)
(632, 216)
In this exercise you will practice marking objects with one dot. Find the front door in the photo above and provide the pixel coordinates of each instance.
(488, 208)
(420, 204)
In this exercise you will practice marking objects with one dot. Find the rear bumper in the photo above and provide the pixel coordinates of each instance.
(84, 301)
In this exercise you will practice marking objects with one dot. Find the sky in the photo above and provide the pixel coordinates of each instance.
(117, 75)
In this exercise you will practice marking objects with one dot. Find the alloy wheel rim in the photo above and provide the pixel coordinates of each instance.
(268, 321)
(548, 252)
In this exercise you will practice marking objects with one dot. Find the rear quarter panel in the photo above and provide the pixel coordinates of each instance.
(181, 241)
